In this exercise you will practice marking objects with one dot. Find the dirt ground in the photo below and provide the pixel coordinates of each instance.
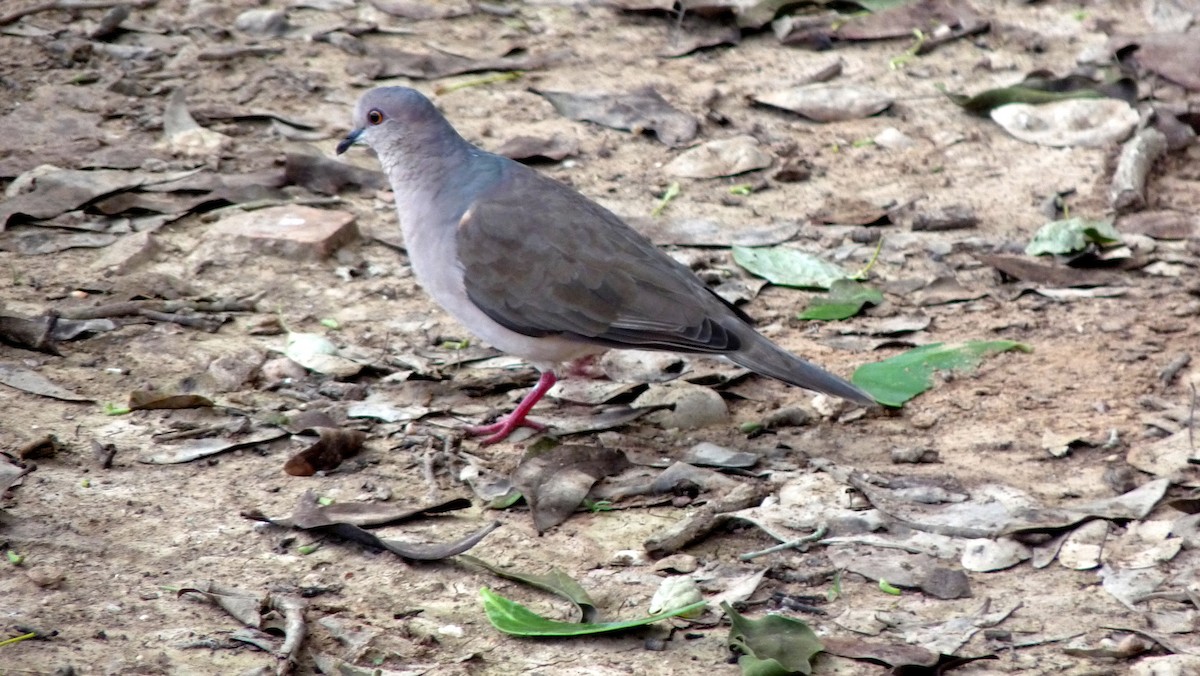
(105, 549)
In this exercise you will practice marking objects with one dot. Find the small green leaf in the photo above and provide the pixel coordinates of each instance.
(512, 497)
(114, 409)
(517, 620)
(305, 550)
(555, 582)
(671, 193)
(1071, 235)
(750, 427)
(846, 297)
(14, 558)
(895, 380)
(887, 588)
(1039, 87)
(786, 266)
(773, 646)
(835, 591)
(324, 501)
(741, 189)
(331, 323)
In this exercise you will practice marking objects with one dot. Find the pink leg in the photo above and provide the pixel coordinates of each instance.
(503, 427)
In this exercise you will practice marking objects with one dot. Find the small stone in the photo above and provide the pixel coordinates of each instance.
(46, 577)
(924, 420)
(677, 563)
(127, 253)
(894, 139)
(629, 557)
(281, 370)
(294, 232)
(792, 416)
(271, 22)
(946, 583)
(914, 455)
(695, 406)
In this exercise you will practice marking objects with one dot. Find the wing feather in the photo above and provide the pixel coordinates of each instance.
(541, 259)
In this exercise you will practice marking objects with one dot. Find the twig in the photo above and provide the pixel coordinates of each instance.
(1138, 155)
(135, 307)
(209, 324)
(428, 469)
(784, 546)
(72, 5)
(1171, 370)
(1191, 423)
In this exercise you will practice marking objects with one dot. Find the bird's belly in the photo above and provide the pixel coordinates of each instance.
(444, 283)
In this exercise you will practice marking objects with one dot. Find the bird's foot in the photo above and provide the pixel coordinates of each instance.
(505, 426)
(499, 430)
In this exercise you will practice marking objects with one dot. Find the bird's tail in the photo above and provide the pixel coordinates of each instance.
(760, 355)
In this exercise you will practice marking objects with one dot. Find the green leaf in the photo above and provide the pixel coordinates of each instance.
(786, 266)
(846, 297)
(895, 380)
(887, 588)
(773, 646)
(1071, 235)
(1038, 88)
(555, 582)
(879, 5)
(515, 619)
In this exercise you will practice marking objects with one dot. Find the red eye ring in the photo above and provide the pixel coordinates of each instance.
(374, 117)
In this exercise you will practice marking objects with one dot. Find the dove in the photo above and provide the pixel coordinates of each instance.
(537, 270)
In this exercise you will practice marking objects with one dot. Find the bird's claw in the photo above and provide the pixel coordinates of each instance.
(500, 429)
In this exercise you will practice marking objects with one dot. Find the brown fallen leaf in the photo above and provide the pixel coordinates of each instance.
(556, 481)
(148, 400)
(417, 10)
(43, 447)
(1058, 276)
(32, 334)
(23, 379)
(637, 111)
(196, 449)
(928, 16)
(1171, 55)
(328, 177)
(309, 515)
(531, 149)
(1161, 224)
(332, 447)
(696, 34)
(385, 62)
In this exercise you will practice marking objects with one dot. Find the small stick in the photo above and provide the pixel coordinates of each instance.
(784, 546)
(204, 323)
(72, 5)
(1128, 191)
(135, 307)
(1172, 369)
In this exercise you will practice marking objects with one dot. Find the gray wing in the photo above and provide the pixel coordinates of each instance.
(541, 259)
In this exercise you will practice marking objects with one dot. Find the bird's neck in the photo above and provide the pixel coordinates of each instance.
(420, 165)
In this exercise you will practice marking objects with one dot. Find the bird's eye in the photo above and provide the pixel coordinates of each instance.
(375, 117)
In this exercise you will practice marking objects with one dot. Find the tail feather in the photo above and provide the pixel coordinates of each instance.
(760, 355)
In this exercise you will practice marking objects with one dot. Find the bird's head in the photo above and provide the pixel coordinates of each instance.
(395, 115)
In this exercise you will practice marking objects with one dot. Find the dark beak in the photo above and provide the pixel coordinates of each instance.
(350, 140)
